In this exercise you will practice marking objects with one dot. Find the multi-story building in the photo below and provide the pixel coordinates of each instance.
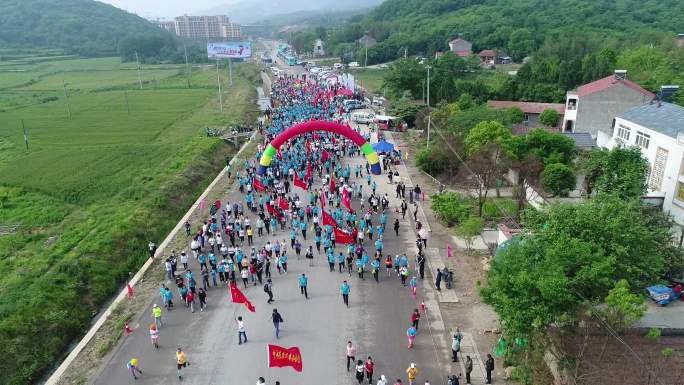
(231, 31)
(592, 107)
(657, 128)
(202, 27)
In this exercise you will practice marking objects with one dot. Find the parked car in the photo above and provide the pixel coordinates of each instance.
(352, 104)
(315, 70)
(363, 117)
(354, 64)
(337, 66)
(379, 101)
(383, 66)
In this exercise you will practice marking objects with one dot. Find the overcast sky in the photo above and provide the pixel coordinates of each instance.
(166, 8)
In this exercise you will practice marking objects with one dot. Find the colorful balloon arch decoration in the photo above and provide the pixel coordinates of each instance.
(319, 125)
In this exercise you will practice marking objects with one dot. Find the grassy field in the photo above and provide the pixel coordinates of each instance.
(78, 208)
(371, 79)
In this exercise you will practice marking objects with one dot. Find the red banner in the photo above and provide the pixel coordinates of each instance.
(282, 203)
(328, 219)
(298, 182)
(258, 185)
(343, 237)
(332, 184)
(309, 171)
(345, 200)
(322, 199)
(279, 357)
(239, 297)
(325, 155)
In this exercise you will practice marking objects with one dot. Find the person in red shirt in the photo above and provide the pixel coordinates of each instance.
(370, 366)
(415, 317)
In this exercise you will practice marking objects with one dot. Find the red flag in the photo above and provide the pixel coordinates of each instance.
(282, 203)
(298, 182)
(343, 237)
(325, 155)
(270, 209)
(332, 185)
(328, 219)
(309, 171)
(129, 288)
(322, 199)
(256, 183)
(345, 200)
(279, 357)
(238, 297)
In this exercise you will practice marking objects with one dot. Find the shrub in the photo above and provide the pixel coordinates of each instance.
(432, 160)
(451, 207)
(558, 179)
(549, 117)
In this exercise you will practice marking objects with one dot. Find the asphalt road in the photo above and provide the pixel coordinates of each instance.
(376, 323)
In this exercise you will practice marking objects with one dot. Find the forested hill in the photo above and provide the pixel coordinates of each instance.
(84, 27)
(519, 26)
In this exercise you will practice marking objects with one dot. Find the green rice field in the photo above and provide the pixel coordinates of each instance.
(108, 167)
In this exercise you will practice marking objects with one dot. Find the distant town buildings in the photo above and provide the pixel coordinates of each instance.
(203, 27)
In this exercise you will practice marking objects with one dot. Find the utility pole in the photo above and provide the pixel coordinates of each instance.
(428, 105)
(218, 80)
(187, 65)
(365, 63)
(137, 61)
(66, 99)
(230, 72)
(128, 109)
(405, 52)
(25, 134)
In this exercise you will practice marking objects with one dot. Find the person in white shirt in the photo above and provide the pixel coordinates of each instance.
(242, 331)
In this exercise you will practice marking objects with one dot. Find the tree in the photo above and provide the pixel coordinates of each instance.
(624, 307)
(573, 254)
(549, 117)
(488, 146)
(405, 108)
(404, 75)
(469, 229)
(621, 171)
(558, 179)
(438, 159)
(515, 115)
(521, 43)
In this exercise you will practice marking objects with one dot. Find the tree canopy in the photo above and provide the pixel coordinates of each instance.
(574, 254)
(83, 27)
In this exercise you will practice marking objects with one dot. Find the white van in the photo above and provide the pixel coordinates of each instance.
(363, 117)
(337, 66)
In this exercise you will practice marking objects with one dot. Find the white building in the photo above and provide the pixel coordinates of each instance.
(318, 48)
(658, 129)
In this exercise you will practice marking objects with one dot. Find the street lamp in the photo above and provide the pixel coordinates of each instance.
(428, 68)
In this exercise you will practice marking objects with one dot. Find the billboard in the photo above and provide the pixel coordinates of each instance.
(229, 50)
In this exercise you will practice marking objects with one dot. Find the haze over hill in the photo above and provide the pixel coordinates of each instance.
(248, 11)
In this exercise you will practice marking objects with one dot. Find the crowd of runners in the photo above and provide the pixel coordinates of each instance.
(320, 208)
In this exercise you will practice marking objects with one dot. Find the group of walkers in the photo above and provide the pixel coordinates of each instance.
(228, 245)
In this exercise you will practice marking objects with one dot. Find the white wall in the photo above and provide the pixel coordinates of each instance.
(668, 187)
